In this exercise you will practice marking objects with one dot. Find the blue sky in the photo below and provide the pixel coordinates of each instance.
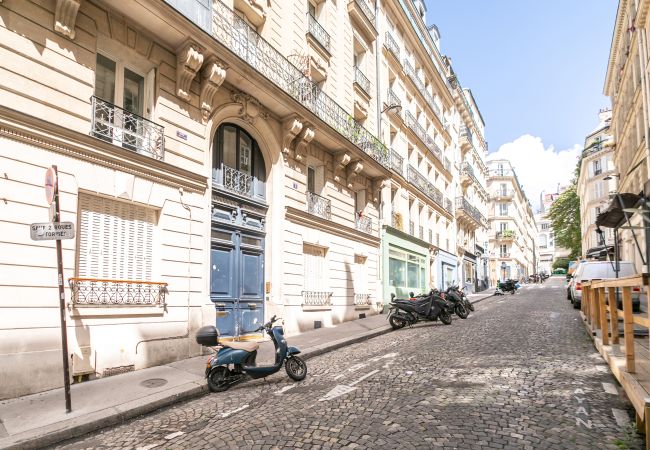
(535, 68)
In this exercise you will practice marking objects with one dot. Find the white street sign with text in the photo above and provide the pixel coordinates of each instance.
(51, 231)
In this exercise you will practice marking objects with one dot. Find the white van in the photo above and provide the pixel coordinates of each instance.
(602, 270)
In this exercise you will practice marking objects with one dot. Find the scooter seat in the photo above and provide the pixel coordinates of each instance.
(246, 346)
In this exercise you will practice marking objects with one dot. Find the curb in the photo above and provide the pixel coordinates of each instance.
(54, 433)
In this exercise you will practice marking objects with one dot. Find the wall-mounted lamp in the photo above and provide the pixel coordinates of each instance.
(395, 106)
(613, 175)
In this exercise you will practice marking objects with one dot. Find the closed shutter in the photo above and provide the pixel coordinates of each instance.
(360, 275)
(315, 271)
(115, 239)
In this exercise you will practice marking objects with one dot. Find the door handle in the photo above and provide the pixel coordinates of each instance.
(220, 305)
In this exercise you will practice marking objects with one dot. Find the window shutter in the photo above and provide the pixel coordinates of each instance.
(115, 239)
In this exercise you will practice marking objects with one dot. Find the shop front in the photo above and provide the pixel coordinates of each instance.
(405, 264)
(447, 270)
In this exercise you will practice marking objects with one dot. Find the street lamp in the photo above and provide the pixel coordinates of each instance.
(397, 107)
(610, 176)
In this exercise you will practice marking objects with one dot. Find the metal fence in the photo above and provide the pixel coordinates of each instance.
(92, 291)
(319, 206)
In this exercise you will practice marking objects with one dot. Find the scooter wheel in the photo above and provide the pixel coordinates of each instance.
(396, 322)
(296, 368)
(445, 317)
(218, 379)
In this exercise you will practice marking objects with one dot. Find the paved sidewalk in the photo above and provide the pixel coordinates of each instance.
(39, 420)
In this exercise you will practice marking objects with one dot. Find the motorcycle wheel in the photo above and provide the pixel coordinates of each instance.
(513, 292)
(461, 311)
(296, 368)
(396, 322)
(218, 379)
(469, 305)
(445, 317)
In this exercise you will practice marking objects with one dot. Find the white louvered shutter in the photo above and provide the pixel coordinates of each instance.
(115, 239)
(315, 273)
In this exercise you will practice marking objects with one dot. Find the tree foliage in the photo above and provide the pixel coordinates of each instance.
(561, 263)
(565, 221)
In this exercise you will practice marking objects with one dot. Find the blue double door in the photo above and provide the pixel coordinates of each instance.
(237, 281)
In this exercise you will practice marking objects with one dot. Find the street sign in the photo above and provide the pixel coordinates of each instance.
(50, 184)
(51, 231)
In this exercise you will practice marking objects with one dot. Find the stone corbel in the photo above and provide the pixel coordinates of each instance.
(189, 59)
(212, 76)
(303, 139)
(377, 186)
(65, 16)
(353, 171)
(339, 163)
(291, 126)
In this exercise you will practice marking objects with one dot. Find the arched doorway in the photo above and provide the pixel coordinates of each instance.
(238, 231)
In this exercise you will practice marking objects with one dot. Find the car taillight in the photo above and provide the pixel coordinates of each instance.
(578, 286)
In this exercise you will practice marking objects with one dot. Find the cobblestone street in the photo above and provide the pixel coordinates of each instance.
(520, 372)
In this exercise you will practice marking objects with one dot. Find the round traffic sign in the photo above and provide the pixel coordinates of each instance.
(50, 185)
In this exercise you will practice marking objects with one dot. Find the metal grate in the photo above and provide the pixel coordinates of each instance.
(92, 291)
(397, 162)
(363, 6)
(319, 206)
(238, 182)
(316, 298)
(319, 33)
(362, 299)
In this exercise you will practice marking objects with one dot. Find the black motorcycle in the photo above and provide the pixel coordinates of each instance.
(422, 307)
(454, 296)
(461, 292)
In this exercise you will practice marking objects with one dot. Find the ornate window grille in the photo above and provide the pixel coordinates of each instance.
(391, 45)
(234, 33)
(316, 298)
(364, 223)
(319, 206)
(397, 162)
(238, 182)
(361, 80)
(471, 210)
(319, 33)
(362, 299)
(449, 206)
(121, 127)
(92, 291)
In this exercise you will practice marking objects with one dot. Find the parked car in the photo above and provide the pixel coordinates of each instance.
(602, 270)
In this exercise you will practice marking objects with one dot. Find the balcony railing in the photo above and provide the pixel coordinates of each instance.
(361, 80)
(121, 127)
(503, 193)
(421, 133)
(92, 291)
(408, 69)
(369, 13)
(466, 134)
(362, 299)
(319, 33)
(424, 185)
(506, 234)
(316, 298)
(449, 205)
(319, 206)
(238, 182)
(391, 45)
(397, 162)
(235, 34)
(392, 98)
(471, 210)
(504, 255)
(364, 223)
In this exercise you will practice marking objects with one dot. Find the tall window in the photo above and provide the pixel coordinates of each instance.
(503, 251)
(315, 267)
(597, 167)
(117, 84)
(503, 209)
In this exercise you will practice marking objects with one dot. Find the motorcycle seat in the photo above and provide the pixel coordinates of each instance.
(246, 346)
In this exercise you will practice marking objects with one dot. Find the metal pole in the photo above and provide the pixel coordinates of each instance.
(64, 327)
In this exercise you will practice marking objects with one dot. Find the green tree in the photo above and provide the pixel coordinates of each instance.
(565, 221)
(561, 263)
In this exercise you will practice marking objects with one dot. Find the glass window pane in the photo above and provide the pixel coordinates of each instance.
(222, 235)
(230, 147)
(251, 241)
(311, 179)
(133, 92)
(413, 275)
(105, 79)
(245, 151)
(396, 270)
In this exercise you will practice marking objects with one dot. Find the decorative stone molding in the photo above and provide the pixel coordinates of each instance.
(360, 108)
(317, 68)
(65, 16)
(212, 76)
(250, 109)
(353, 171)
(378, 184)
(303, 139)
(189, 59)
(291, 126)
(339, 162)
(254, 10)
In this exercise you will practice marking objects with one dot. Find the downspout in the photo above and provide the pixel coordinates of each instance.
(189, 280)
(380, 262)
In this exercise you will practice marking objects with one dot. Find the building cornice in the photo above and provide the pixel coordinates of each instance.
(309, 220)
(619, 28)
(34, 131)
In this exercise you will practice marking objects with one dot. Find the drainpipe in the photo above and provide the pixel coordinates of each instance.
(380, 260)
(377, 67)
(189, 264)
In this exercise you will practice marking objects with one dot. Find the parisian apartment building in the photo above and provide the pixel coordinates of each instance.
(596, 182)
(626, 83)
(512, 228)
(223, 162)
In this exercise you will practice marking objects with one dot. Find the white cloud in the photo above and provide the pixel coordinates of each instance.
(539, 169)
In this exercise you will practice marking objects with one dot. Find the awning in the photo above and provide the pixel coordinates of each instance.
(614, 216)
(599, 252)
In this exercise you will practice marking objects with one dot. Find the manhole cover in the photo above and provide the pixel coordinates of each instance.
(154, 382)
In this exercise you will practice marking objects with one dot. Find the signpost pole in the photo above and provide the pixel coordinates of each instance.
(64, 328)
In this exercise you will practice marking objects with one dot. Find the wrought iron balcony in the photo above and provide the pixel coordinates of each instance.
(364, 223)
(421, 133)
(391, 45)
(121, 127)
(392, 98)
(238, 182)
(424, 185)
(316, 298)
(466, 141)
(93, 291)
(235, 34)
(447, 164)
(369, 13)
(318, 32)
(419, 84)
(362, 299)
(504, 255)
(449, 206)
(396, 162)
(501, 193)
(319, 206)
(465, 206)
(361, 80)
